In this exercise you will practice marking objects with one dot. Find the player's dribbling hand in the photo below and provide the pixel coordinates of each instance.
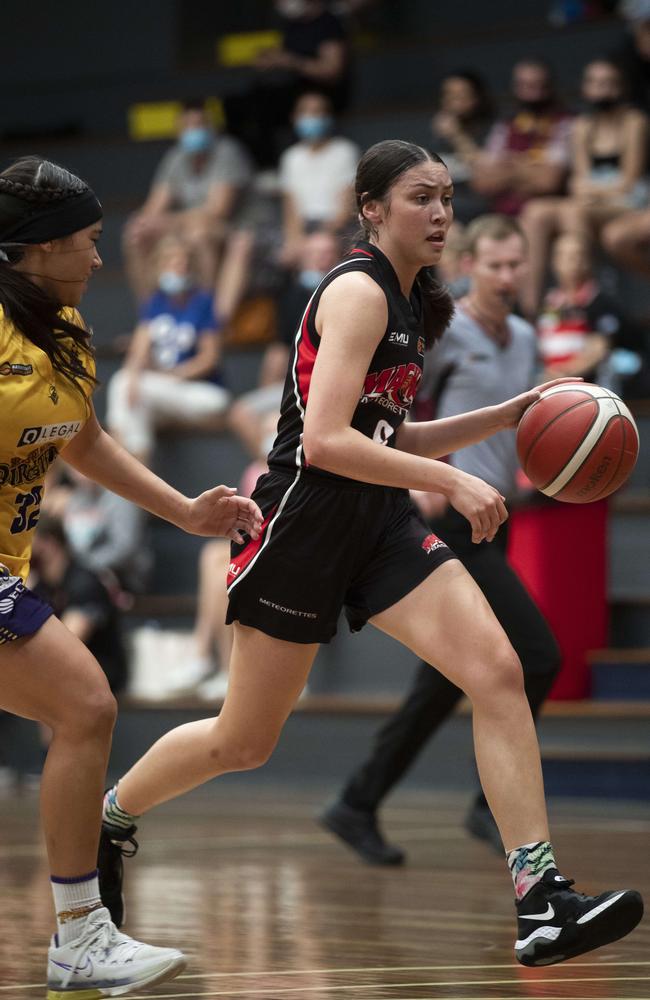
(481, 504)
(511, 412)
(221, 512)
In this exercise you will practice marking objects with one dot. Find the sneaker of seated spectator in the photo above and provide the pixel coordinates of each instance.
(171, 373)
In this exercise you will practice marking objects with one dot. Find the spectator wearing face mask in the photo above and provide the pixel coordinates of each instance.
(253, 416)
(313, 54)
(527, 154)
(607, 182)
(316, 174)
(195, 193)
(171, 373)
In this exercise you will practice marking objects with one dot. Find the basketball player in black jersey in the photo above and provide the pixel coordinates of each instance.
(340, 532)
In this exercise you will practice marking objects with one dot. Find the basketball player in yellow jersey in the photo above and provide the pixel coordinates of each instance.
(50, 222)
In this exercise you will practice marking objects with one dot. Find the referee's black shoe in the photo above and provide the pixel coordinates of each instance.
(554, 922)
(360, 831)
(480, 823)
(113, 842)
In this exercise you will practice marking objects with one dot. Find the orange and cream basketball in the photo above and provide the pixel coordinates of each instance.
(578, 442)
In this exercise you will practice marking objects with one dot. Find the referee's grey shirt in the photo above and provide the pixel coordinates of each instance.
(466, 370)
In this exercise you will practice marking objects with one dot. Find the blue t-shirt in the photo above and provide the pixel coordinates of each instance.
(176, 326)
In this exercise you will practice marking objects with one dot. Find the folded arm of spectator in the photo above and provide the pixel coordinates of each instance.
(205, 360)
(596, 349)
(325, 67)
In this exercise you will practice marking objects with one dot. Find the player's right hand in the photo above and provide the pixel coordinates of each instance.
(481, 504)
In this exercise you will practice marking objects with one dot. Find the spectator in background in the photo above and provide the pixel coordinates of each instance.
(627, 240)
(578, 321)
(313, 54)
(194, 194)
(107, 535)
(459, 130)
(253, 417)
(634, 54)
(608, 177)
(171, 372)
(79, 599)
(201, 672)
(527, 154)
(316, 175)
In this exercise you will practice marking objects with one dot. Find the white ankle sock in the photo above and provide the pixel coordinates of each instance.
(74, 899)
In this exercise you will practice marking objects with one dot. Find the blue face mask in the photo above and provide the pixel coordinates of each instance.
(313, 126)
(172, 283)
(310, 278)
(196, 140)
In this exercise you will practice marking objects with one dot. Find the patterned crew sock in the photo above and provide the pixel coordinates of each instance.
(74, 899)
(113, 815)
(527, 864)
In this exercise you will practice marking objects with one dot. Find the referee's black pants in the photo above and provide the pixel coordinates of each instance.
(432, 697)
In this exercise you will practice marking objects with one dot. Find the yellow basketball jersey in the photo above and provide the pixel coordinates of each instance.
(41, 411)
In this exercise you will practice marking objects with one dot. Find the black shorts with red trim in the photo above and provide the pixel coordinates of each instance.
(328, 545)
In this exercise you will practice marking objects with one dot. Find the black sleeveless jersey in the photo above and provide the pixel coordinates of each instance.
(393, 377)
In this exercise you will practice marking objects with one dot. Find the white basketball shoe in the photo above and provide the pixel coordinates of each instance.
(102, 962)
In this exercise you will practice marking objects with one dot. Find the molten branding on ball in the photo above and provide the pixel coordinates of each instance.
(578, 442)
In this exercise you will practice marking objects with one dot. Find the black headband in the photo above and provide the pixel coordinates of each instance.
(29, 222)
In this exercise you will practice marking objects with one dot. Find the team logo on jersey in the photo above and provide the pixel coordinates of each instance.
(398, 338)
(28, 469)
(7, 368)
(432, 542)
(393, 387)
(421, 345)
(53, 394)
(48, 432)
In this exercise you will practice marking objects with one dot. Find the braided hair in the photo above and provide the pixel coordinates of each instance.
(379, 168)
(40, 183)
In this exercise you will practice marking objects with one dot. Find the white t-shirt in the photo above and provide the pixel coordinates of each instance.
(315, 178)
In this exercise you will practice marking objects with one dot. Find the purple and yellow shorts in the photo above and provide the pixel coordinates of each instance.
(21, 611)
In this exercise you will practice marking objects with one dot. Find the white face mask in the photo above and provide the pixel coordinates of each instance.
(172, 283)
(291, 8)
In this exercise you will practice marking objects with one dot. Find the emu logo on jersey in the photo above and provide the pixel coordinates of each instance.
(398, 338)
(393, 387)
(432, 542)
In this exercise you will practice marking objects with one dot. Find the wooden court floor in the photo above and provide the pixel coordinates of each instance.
(268, 905)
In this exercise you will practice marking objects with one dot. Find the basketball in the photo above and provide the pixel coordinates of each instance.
(578, 442)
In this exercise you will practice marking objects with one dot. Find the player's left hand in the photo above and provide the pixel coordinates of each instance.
(511, 412)
(220, 512)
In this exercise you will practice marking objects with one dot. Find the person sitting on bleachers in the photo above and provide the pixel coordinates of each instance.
(171, 373)
(527, 154)
(79, 599)
(316, 175)
(459, 129)
(578, 322)
(253, 416)
(194, 193)
(312, 53)
(633, 56)
(608, 176)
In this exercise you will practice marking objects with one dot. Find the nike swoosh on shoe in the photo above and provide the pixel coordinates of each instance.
(599, 909)
(547, 915)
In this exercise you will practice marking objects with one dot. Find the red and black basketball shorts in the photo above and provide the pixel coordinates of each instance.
(327, 544)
